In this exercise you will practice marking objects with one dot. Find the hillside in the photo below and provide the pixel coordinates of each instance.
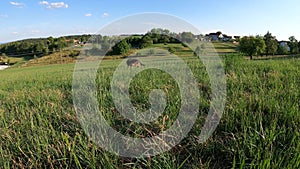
(69, 55)
(225, 47)
(260, 125)
(40, 127)
(62, 57)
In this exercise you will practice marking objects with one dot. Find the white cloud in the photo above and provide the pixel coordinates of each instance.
(15, 33)
(17, 4)
(88, 14)
(54, 5)
(58, 5)
(105, 14)
(44, 3)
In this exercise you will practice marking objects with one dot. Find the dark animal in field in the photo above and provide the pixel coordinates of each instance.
(134, 62)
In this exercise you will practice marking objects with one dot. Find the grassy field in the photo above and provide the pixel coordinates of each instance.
(225, 47)
(259, 128)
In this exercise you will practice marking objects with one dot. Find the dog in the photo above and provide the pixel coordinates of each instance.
(134, 62)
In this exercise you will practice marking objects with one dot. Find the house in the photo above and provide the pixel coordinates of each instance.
(215, 36)
(226, 38)
(284, 44)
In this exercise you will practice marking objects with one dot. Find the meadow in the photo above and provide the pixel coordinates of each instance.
(259, 127)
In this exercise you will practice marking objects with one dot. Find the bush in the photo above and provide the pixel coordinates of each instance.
(121, 48)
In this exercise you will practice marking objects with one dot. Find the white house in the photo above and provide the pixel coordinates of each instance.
(215, 36)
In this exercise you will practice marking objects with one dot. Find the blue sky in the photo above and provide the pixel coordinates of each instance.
(21, 19)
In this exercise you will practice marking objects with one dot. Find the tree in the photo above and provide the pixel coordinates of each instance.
(146, 41)
(187, 37)
(164, 39)
(83, 38)
(45, 50)
(38, 48)
(282, 50)
(24, 47)
(160, 31)
(60, 43)
(271, 44)
(134, 41)
(121, 48)
(260, 45)
(50, 43)
(252, 46)
(293, 44)
(237, 38)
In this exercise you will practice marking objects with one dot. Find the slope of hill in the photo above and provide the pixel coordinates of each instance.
(225, 47)
(66, 56)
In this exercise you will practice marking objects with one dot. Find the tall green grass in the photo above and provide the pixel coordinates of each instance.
(259, 128)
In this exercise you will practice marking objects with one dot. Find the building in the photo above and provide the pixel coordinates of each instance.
(215, 36)
(219, 36)
(226, 38)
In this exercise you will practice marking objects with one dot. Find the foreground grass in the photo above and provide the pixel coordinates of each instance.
(259, 128)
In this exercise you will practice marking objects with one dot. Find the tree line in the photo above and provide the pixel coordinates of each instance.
(121, 45)
(154, 36)
(39, 47)
(97, 44)
(268, 45)
(249, 45)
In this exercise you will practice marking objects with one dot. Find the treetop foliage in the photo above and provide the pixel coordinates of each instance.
(268, 45)
(40, 46)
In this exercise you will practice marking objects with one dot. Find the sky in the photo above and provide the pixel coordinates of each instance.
(21, 19)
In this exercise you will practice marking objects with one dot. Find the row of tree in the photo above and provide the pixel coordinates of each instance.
(111, 45)
(155, 36)
(267, 45)
(121, 45)
(39, 47)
